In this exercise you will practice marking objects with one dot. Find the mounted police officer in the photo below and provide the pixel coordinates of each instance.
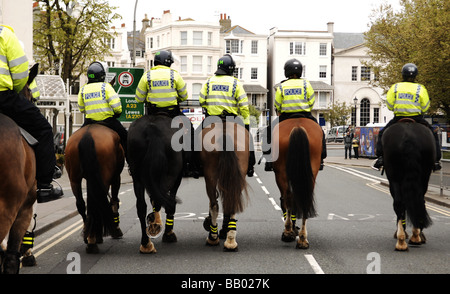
(13, 77)
(100, 102)
(224, 95)
(294, 98)
(407, 99)
(163, 89)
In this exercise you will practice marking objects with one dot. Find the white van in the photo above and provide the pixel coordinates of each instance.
(336, 134)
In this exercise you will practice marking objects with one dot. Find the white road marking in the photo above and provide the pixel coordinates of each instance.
(315, 266)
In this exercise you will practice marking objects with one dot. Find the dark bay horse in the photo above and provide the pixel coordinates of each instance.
(17, 187)
(409, 156)
(157, 169)
(224, 156)
(298, 143)
(94, 153)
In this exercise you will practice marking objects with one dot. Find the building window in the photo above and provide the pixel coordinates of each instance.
(323, 49)
(196, 88)
(376, 115)
(197, 64)
(234, 46)
(322, 99)
(323, 71)
(254, 73)
(354, 73)
(365, 73)
(183, 61)
(254, 47)
(238, 73)
(364, 114)
(209, 38)
(297, 48)
(183, 38)
(110, 43)
(198, 38)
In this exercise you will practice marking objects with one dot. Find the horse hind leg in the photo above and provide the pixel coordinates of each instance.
(115, 202)
(302, 242)
(154, 222)
(210, 225)
(418, 237)
(230, 243)
(401, 236)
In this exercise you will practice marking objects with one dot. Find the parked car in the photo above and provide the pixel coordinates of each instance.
(336, 134)
(58, 142)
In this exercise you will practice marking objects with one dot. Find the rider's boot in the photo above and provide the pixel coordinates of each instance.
(46, 193)
(378, 163)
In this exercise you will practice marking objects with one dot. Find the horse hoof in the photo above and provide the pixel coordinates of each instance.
(29, 260)
(287, 237)
(117, 233)
(212, 242)
(235, 249)
(147, 249)
(92, 249)
(302, 245)
(169, 238)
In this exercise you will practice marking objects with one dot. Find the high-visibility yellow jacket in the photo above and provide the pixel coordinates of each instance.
(161, 86)
(408, 99)
(222, 92)
(99, 101)
(294, 95)
(34, 90)
(13, 61)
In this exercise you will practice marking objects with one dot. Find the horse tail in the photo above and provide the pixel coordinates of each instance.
(230, 182)
(299, 173)
(414, 186)
(155, 169)
(99, 214)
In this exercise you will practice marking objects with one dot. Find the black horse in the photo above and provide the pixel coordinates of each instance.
(156, 168)
(409, 155)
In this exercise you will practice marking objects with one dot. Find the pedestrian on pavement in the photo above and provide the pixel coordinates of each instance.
(355, 145)
(348, 145)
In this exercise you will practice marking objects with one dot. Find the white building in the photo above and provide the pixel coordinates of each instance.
(314, 50)
(351, 80)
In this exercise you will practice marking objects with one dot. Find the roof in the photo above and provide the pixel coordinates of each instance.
(255, 89)
(51, 87)
(347, 40)
(238, 30)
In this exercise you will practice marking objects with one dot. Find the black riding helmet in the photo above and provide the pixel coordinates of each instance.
(225, 65)
(409, 71)
(293, 66)
(96, 72)
(163, 57)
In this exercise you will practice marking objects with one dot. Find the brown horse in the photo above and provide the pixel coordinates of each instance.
(17, 187)
(224, 155)
(298, 143)
(94, 153)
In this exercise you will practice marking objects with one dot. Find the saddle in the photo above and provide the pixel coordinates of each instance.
(28, 137)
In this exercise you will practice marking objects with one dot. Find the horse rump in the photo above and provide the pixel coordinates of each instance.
(99, 219)
(300, 174)
(408, 163)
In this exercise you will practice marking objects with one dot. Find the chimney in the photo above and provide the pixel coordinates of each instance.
(330, 27)
(225, 23)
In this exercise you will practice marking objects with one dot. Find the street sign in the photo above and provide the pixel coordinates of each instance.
(127, 80)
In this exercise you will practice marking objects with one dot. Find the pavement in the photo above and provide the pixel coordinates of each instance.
(56, 212)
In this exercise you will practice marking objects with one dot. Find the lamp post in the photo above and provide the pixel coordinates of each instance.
(355, 101)
(134, 35)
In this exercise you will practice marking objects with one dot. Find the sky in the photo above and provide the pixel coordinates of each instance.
(349, 16)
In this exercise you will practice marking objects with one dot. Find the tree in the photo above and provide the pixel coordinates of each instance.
(418, 33)
(339, 114)
(69, 35)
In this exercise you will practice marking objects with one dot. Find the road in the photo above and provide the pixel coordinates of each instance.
(353, 234)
